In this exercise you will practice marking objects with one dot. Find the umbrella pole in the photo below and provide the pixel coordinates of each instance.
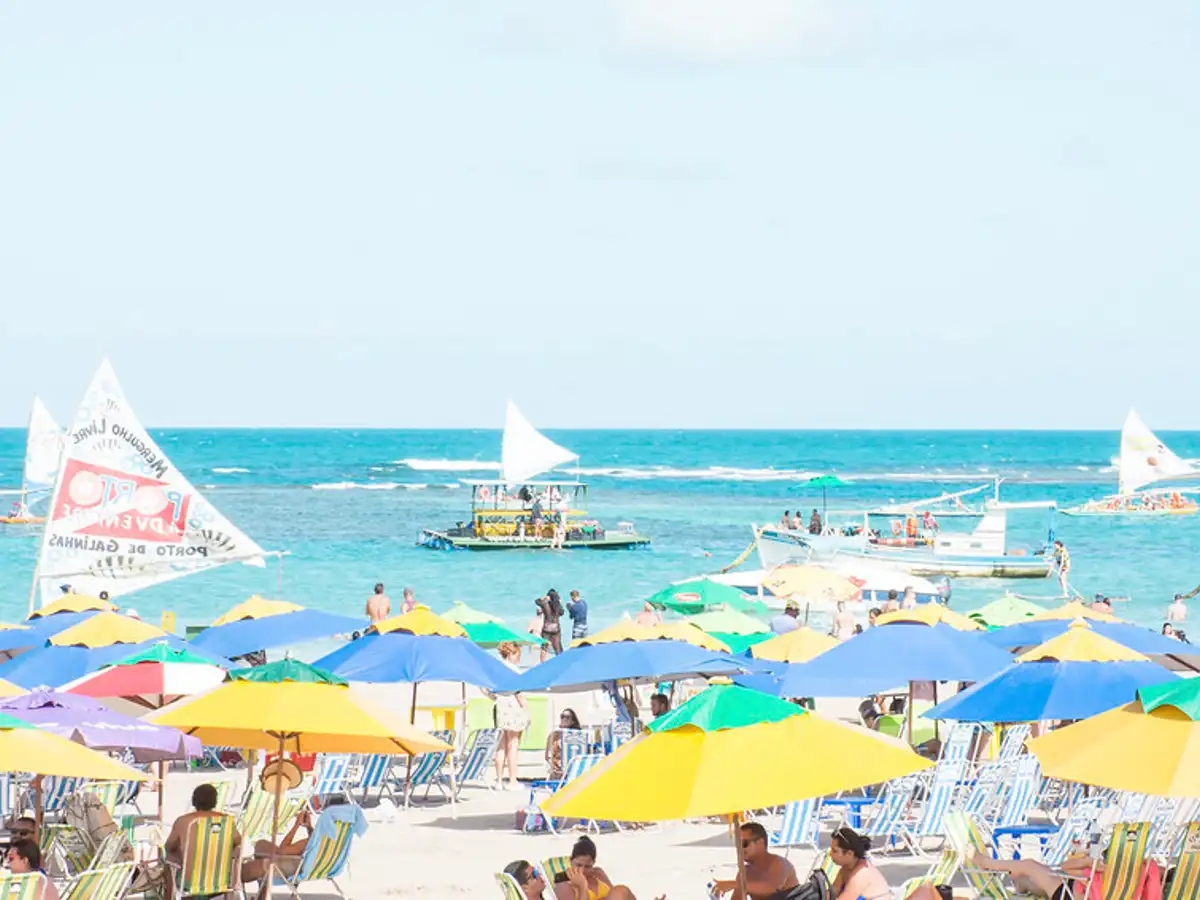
(412, 720)
(37, 796)
(911, 736)
(735, 829)
(278, 790)
(937, 734)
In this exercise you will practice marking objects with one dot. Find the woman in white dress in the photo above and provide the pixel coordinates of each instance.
(512, 718)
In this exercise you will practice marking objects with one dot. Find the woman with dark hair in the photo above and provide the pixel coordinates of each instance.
(24, 856)
(567, 721)
(856, 877)
(599, 885)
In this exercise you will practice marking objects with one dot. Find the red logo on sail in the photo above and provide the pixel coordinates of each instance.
(128, 506)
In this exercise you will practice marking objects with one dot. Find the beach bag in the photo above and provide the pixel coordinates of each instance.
(83, 810)
(816, 888)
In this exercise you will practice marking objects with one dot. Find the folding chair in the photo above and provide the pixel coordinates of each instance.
(801, 825)
(1124, 863)
(508, 887)
(937, 803)
(1185, 880)
(324, 859)
(333, 778)
(21, 887)
(1012, 745)
(473, 765)
(375, 774)
(257, 818)
(211, 861)
(425, 770)
(941, 872)
(106, 883)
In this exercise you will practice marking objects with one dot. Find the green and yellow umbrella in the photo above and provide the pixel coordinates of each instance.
(1150, 746)
(1008, 610)
(796, 646)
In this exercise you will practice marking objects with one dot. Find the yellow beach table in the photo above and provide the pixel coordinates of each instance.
(727, 750)
(1151, 746)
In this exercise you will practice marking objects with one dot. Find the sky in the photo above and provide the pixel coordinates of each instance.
(620, 213)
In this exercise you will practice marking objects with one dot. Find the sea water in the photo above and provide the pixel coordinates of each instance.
(347, 507)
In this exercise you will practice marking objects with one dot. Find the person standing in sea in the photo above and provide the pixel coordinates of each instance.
(577, 608)
(1063, 558)
(379, 606)
(409, 603)
(1177, 611)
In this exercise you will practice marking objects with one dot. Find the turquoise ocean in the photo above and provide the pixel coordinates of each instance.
(347, 506)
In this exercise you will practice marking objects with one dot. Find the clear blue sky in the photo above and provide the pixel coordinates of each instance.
(758, 213)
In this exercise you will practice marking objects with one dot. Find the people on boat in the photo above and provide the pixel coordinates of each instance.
(767, 874)
(1062, 559)
(785, 521)
(910, 526)
(797, 522)
(787, 620)
(857, 878)
(814, 523)
(909, 600)
(379, 606)
(559, 540)
(929, 522)
(893, 601)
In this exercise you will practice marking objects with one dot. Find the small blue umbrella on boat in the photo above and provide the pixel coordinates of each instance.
(1073, 676)
(410, 658)
(1033, 632)
(85, 647)
(260, 624)
(887, 656)
(659, 660)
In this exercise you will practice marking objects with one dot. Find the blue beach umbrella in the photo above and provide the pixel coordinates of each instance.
(260, 624)
(884, 657)
(600, 664)
(1033, 633)
(1073, 676)
(412, 658)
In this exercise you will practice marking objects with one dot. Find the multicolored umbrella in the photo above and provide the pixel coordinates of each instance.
(691, 597)
(740, 643)
(811, 583)
(930, 614)
(466, 615)
(1072, 676)
(1151, 746)
(91, 723)
(1034, 631)
(628, 630)
(26, 748)
(151, 677)
(728, 621)
(261, 624)
(493, 634)
(597, 665)
(420, 621)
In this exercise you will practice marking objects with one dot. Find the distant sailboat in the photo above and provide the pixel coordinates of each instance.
(43, 450)
(525, 451)
(123, 517)
(1145, 460)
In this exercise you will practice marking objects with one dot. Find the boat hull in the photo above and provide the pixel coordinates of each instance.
(441, 540)
(776, 547)
(1131, 513)
(22, 520)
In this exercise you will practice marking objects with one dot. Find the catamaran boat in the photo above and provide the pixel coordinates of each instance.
(516, 513)
(43, 452)
(878, 579)
(1144, 460)
(911, 538)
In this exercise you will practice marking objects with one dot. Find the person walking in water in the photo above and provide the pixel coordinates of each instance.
(379, 606)
(1063, 559)
(1177, 611)
(409, 603)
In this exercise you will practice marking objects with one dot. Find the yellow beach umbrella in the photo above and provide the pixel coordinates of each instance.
(73, 603)
(105, 629)
(930, 614)
(1076, 609)
(727, 750)
(808, 582)
(256, 608)
(1149, 746)
(420, 621)
(1080, 644)
(628, 630)
(24, 748)
(8, 689)
(798, 646)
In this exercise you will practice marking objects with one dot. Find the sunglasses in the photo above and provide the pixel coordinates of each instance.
(528, 876)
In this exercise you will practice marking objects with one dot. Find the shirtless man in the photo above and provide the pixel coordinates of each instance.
(843, 622)
(766, 873)
(204, 802)
(379, 606)
(1177, 611)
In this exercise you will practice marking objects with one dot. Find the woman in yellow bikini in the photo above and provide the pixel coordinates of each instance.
(599, 885)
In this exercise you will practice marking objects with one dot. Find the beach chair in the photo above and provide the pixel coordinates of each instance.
(938, 800)
(115, 848)
(572, 742)
(213, 758)
(472, 767)
(942, 871)
(68, 850)
(333, 779)
(225, 794)
(425, 771)
(323, 860)
(1184, 882)
(825, 863)
(579, 765)
(1071, 833)
(55, 790)
(555, 865)
(1130, 807)
(106, 883)
(801, 825)
(509, 887)
(21, 887)
(984, 791)
(211, 860)
(1124, 863)
(1012, 745)
(965, 840)
(1022, 793)
(111, 794)
(257, 818)
(958, 745)
(887, 823)
(375, 774)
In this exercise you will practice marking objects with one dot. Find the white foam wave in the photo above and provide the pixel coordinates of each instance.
(709, 473)
(448, 465)
(230, 470)
(358, 486)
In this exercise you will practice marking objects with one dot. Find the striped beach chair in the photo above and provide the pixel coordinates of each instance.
(984, 791)
(942, 871)
(572, 743)
(1012, 745)
(824, 863)
(578, 767)
(887, 822)
(966, 840)
(1124, 863)
(323, 860)
(68, 850)
(1130, 807)
(375, 774)
(111, 794)
(116, 847)
(1184, 881)
(509, 889)
(257, 818)
(555, 865)
(938, 800)
(1071, 833)
(801, 825)
(958, 745)
(426, 769)
(472, 767)
(211, 863)
(1022, 793)
(104, 883)
(21, 887)
(55, 789)
(225, 794)
(333, 778)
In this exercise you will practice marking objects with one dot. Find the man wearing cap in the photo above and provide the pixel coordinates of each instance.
(786, 621)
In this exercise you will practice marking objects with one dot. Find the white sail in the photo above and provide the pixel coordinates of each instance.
(527, 452)
(43, 451)
(1145, 459)
(122, 516)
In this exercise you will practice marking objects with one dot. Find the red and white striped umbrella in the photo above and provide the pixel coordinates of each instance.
(151, 677)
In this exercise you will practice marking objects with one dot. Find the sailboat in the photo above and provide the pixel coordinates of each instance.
(515, 512)
(1145, 460)
(122, 517)
(43, 449)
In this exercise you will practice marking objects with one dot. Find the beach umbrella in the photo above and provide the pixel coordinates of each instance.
(812, 584)
(725, 751)
(824, 482)
(41, 624)
(597, 665)
(260, 624)
(690, 597)
(798, 646)
(466, 615)
(1069, 612)
(86, 646)
(26, 748)
(1151, 745)
(1073, 676)
(151, 677)
(91, 723)
(412, 659)
(740, 643)
(1008, 610)
(1032, 632)
(72, 603)
(493, 634)
(627, 630)
(930, 614)
(728, 621)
